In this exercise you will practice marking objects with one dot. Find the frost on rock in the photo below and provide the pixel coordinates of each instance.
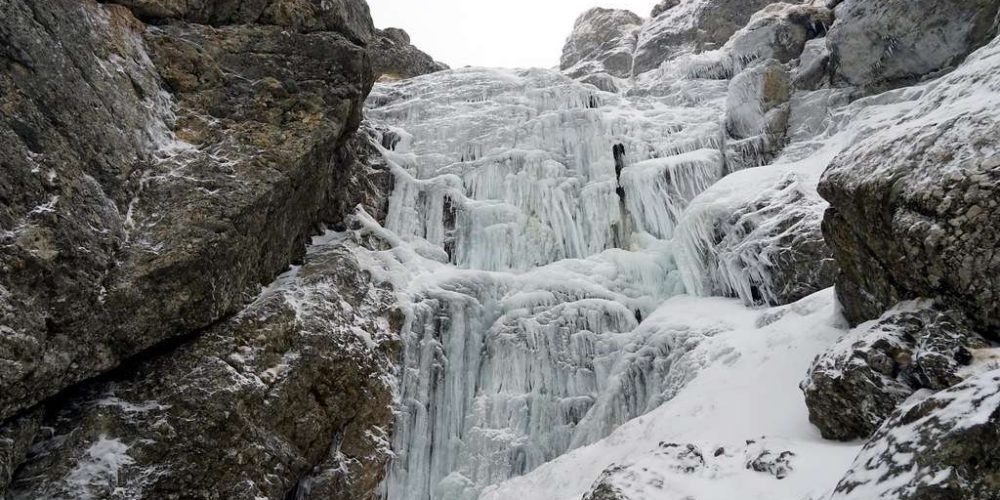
(601, 46)
(893, 42)
(939, 448)
(856, 385)
(294, 394)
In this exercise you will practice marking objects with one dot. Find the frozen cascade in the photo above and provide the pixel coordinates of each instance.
(536, 227)
(499, 173)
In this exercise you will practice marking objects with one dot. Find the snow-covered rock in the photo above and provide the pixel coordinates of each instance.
(892, 42)
(691, 26)
(939, 448)
(757, 115)
(602, 43)
(851, 389)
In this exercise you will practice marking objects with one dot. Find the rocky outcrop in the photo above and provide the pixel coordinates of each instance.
(394, 57)
(889, 43)
(757, 115)
(940, 448)
(154, 176)
(780, 32)
(602, 43)
(919, 221)
(854, 387)
(292, 395)
(692, 26)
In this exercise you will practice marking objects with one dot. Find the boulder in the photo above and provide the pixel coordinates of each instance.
(663, 6)
(940, 448)
(394, 57)
(779, 31)
(921, 220)
(153, 177)
(857, 384)
(895, 42)
(602, 42)
(289, 399)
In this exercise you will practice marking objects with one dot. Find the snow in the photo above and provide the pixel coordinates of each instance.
(750, 393)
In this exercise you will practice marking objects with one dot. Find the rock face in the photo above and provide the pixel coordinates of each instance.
(941, 448)
(855, 386)
(886, 43)
(16, 437)
(602, 42)
(919, 221)
(757, 115)
(292, 395)
(153, 176)
(393, 56)
(691, 26)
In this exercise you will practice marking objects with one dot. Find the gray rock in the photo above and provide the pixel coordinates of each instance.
(349, 17)
(779, 31)
(664, 6)
(921, 220)
(757, 114)
(895, 42)
(691, 27)
(393, 56)
(16, 437)
(857, 384)
(602, 42)
(289, 399)
(941, 448)
(132, 213)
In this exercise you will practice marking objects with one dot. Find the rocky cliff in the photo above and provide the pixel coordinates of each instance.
(163, 163)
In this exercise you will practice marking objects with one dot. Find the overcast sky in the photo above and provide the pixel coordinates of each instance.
(503, 33)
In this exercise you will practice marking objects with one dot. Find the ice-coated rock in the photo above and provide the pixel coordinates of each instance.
(920, 220)
(290, 399)
(146, 193)
(779, 31)
(767, 249)
(692, 26)
(602, 42)
(855, 386)
(757, 115)
(875, 44)
(939, 448)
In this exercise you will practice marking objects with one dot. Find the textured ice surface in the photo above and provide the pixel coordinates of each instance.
(541, 234)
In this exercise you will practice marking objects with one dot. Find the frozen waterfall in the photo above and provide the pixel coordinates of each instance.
(536, 227)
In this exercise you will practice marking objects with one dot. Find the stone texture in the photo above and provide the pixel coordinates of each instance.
(289, 399)
(895, 42)
(394, 57)
(757, 115)
(779, 31)
(664, 6)
(348, 17)
(602, 42)
(856, 385)
(16, 437)
(131, 214)
(693, 26)
(920, 220)
(940, 448)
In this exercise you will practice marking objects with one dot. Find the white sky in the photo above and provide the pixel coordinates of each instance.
(502, 33)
